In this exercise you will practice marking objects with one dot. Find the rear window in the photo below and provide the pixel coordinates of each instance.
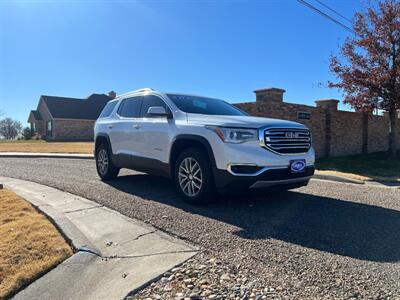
(107, 110)
(130, 107)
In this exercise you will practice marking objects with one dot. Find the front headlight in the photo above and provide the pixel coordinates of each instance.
(235, 135)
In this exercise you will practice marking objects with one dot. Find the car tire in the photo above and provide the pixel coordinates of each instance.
(193, 177)
(104, 165)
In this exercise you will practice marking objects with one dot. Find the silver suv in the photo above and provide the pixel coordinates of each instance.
(205, 145)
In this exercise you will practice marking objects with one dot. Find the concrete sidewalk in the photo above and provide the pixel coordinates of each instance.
(115, 254)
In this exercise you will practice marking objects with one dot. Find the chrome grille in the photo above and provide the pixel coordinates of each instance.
(287, 140)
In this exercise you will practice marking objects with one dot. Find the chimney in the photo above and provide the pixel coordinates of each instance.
(269, 95)
(112, 94)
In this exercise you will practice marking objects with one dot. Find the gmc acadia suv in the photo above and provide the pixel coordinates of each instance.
(205, 145)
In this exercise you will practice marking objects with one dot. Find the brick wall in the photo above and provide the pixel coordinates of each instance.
(346, 133)
(73, 130)
(40, 128)
(334, 132)
(44, 112)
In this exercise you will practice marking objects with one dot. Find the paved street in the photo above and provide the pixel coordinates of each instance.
(327, 240)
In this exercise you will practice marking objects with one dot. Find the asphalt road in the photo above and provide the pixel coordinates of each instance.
(326, 240)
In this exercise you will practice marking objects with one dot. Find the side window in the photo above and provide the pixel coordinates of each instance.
(149, 101)
(130, 107)
(107, 110)
(49, 128)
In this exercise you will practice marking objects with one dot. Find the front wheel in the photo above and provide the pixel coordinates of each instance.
(193, 177)
(104, 165)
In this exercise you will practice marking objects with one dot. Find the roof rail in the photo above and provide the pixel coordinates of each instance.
(142, 90)
(136, 91)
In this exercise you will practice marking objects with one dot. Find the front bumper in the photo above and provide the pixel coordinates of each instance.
(227, 182)
(251, 153)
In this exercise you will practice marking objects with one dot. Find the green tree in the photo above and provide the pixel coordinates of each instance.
(27, 133)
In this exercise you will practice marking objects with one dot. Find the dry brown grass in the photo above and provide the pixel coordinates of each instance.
(46, 147)
(29, 244)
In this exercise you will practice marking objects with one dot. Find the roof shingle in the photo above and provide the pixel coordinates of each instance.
(74, 108)
(36, 115)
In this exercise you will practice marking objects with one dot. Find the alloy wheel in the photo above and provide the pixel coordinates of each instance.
(190, 177)
(102, 161)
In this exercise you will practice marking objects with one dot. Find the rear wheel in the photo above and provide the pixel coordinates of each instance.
(193, 177)
(104, 165)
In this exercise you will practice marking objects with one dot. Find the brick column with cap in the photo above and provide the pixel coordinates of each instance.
(268, 99)
(329, 106)
(269, 95)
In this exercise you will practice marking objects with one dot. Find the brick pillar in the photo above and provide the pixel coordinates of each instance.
(269, 95)
(267, 99)
(328, 106)
(365, 119)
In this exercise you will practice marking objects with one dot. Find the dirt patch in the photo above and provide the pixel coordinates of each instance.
(30, 245)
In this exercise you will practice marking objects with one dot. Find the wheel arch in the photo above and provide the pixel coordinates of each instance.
(185, 141)
(100, 139)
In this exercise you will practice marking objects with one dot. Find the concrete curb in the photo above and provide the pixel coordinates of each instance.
(337, 178)
(115, 254)
(46, 155)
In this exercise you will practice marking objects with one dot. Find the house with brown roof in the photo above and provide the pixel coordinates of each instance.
(67, 119)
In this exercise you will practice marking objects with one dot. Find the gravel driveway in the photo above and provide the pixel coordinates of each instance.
(326, 240)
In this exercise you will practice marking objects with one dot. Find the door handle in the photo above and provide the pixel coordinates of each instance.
(110, 126)
(136, 126)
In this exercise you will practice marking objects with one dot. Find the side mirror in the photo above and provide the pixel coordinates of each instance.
(158, 111)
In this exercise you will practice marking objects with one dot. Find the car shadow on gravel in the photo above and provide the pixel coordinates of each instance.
(356, 230)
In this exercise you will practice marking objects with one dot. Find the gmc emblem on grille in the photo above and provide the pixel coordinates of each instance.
(292, 135)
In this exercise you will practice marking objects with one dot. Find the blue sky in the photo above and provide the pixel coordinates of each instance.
(224, 49)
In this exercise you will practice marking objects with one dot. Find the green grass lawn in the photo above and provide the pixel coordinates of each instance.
(377, 166)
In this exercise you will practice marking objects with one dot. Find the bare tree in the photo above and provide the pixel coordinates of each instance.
(9, 128)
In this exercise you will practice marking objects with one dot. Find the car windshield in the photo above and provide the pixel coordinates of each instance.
(205, 106)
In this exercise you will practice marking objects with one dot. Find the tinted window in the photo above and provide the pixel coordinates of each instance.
(107, 110)
(149, 101)
(205, 106)
(130, 107)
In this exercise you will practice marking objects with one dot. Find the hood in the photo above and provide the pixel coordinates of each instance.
(240, 121)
